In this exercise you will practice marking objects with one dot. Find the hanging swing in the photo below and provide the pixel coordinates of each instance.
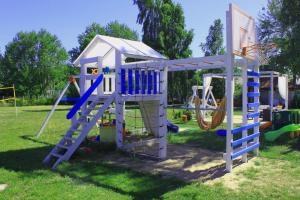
(218, 115)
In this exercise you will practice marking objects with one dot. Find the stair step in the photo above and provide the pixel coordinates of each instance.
(56, 155)
(62, 146)
(76, 130)
(70, 139)
(72, 143)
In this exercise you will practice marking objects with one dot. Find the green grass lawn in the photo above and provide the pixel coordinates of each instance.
(274, 175)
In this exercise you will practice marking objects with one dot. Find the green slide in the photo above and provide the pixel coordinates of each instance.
(273, 135)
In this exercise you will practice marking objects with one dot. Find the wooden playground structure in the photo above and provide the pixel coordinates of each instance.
(114, 80)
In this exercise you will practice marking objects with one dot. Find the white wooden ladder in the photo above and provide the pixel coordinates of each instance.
(68, 144)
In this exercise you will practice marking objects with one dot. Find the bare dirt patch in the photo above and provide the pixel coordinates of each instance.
(187, 163)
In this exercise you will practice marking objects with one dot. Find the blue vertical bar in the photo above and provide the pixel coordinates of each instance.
(155, 82)
(123, 81)
(149, 74)
(137, 82)
(143, 82)
(130, 88)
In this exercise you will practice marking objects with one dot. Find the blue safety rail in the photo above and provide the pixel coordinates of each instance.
(123, 81)
(246, 150)
(251, 73)
(252, 115)
(69, 99)
(130, 82)
(253, 84)
(245, 127)
(253, 105)
(155, 82)
(84, 97)
(253, 94)
(143, 82)
(137, 81)
(245, 139)
(149, 74)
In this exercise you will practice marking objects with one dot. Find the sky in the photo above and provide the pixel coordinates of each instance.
(68, 18)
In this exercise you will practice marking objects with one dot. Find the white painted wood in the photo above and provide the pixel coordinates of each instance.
(163, 114)
(256, 99)
(271, 98)
(52, 110)
(100, 71)
(229, 89)
(83, 86)
(119, 102)
(245, 107)
(84, 61)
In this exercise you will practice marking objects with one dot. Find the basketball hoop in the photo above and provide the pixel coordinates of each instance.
(262, 49)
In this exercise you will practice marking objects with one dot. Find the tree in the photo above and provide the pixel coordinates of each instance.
(279, 23)
(114, 29)
(150, 17)
(214, 46)
(164, 30)
(29, 60)
(214, 40)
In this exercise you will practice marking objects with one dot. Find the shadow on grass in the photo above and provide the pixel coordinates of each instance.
(284, 140)
(25, 160)
(121, 180)
(204, 139)
(33, 139)
(117, 179)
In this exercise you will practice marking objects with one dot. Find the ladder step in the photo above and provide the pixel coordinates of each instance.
(245, 139)
(253, 105)
(253, 94)
(70, 139)
(76, 130)
(253, 84)
(62, 146)
(251, 115)
(252, 73)
(56, 155)
(245, 127)
(245, 150)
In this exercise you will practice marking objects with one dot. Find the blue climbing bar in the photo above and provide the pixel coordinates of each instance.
(130, 82)
(143, 82)
(123, 81)
(137, 81)
(154, 82)
(149, 77)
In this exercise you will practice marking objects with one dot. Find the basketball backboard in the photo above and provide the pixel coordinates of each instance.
(243, 33)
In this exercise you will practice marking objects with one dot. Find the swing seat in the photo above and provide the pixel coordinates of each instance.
(221, 132)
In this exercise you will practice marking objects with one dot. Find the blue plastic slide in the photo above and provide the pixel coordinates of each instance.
(172, 127)
(84, 97)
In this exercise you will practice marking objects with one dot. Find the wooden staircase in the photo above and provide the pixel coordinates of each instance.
(69, 143)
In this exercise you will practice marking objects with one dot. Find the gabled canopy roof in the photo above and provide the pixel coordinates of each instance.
(105, 46)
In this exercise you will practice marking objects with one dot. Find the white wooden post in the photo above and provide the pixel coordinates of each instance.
(256, 99)
(245, 107)
(162, 113)
(229, 90)
(119, 101)
(100, 71)
(271, 100)
(83, 82)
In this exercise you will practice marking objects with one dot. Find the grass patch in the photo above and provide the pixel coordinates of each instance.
(275, 175)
